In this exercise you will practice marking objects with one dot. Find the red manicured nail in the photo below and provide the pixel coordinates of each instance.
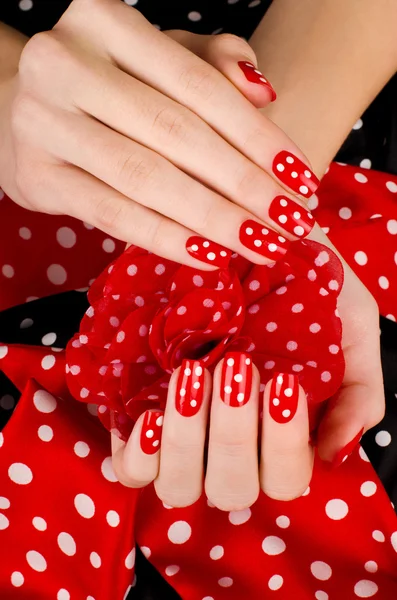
(151, 431)
(295, 174)
(262, 240)
(255, 76)
(209, 252)
(236, 379)
(294, 218)
(189, 388)
(345, 452)
(284, 396)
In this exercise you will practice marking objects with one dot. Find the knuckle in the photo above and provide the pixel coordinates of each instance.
(200, 80)
(173, 125)
(249, 179)
(233, 42)
(108, 214)
(23, 112)
(37, 52)
(136, 171)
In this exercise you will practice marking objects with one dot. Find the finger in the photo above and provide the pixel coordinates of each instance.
(84, 197)
(232, 481)
(360, 403)
(146, 177)
(184, 77)
(136, 462)
(180, 478)
(233, 57)
(287, 456)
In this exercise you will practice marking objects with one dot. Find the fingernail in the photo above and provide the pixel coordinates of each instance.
(255, 76)
(345, 452)
(236, 379)
(262, 240)
(294, 218)
(295, 174)
(151, 431)
(284, 396)
(208, 251)
(189, 388)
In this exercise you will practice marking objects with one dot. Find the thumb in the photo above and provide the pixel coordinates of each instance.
(234, 58)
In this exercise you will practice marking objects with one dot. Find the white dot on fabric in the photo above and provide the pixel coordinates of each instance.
(365, 588)
(48, 362)
(4, 502)
(391, 186)
(269, 364)
(322, 258)
(321, 570)
(345, 213)
(44, 401)
(84, 505)
(8, 271)
(320, 595)
(391, 226)
(273, 545)
(7, 402)
(297, 308)
(333, 348)
(172, 570)
(358, 124)
(371, 566)
(45, 433)
(36, 561)
(271, 326)
(383, 282)
(20, 473)
(325, 376)
(368, 488)
(360, 177)
(362, 454)
(3, 351)
(56, 274)
(361, 258)
(275, 582)
(194, 16)
(179, 532)
(393, 540)
(66, 543)
(383, 438)
(63, 594)
(365, 163)
(336, 509)
(25, 233)
(108, 245)
(378, 535)
(81, 449)
(312, 275)
(48, 339)
(225, 581)
(95, 560)
(238, 517)
(26, 323)
(159, 269)
(130, 559)
(1, 439)
(4, 522)
(113, 518)
(281, 290)
(66, 237)
(17, 579)
(39, 523)
(283, 522)
(291, 346)
(132, 270)
(217, 552)
(181, 310)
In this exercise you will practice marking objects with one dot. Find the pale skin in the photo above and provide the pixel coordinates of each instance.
(311, 98)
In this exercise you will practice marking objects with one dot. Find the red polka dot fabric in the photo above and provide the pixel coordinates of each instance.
(70, 528)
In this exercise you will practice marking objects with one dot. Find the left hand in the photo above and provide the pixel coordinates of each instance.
(231, 402)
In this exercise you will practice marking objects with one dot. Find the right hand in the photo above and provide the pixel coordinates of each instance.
(118, 124)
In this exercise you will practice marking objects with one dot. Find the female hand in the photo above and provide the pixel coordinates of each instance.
(231, 402)
(114, 122)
